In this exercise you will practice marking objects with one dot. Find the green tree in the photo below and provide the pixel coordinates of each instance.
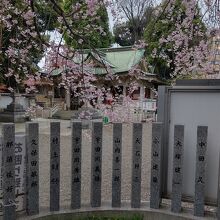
(46, 15)
(161, 55)
(132, 30)
(122, 34)
(27, 37)
(89, 27)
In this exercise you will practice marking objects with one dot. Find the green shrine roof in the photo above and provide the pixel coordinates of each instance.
(56, 72)
(120, 60)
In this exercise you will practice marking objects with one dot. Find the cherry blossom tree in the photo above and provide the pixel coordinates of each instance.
(23, 39)
(179, 38)
(21, 33)
(94, 28)
(175, 39)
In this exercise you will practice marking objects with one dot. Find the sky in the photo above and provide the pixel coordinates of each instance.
(111, 20)
(55, 36)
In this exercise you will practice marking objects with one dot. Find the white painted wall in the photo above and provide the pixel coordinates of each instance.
(194, 109)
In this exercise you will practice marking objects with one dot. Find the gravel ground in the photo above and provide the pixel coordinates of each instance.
(86, 162)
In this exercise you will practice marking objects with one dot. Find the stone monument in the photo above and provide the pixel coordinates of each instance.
(87, 114)
(14, 111)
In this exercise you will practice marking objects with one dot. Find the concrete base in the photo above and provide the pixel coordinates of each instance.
(86, 124)
(64, 115)
(87, 112)
(14, 112)
(15, 107)
(145, 212)
(90, 115)
(15, 117)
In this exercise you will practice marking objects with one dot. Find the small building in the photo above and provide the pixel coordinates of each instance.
(126, 62)
(44, 95)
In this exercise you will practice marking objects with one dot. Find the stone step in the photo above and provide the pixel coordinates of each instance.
(61, 114)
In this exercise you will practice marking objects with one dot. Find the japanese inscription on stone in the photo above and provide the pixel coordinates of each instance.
(136, 165)
(202, 133)
(177, 168)
(96, 164)
(32, 149)
(116, 167)
(20, 172)
(54, 166)
(155, 165)
(76, 164)
(8, 179)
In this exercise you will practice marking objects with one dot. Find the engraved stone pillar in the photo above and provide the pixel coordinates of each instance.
(202, 133)
(116, 167)
(96, 164)
(32, 149)
(136, 166)
(8, 158)
(177, 168)
(54, 166)
(76, 164)
(155, 187)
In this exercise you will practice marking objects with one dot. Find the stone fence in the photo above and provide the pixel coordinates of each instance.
(31, 174)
